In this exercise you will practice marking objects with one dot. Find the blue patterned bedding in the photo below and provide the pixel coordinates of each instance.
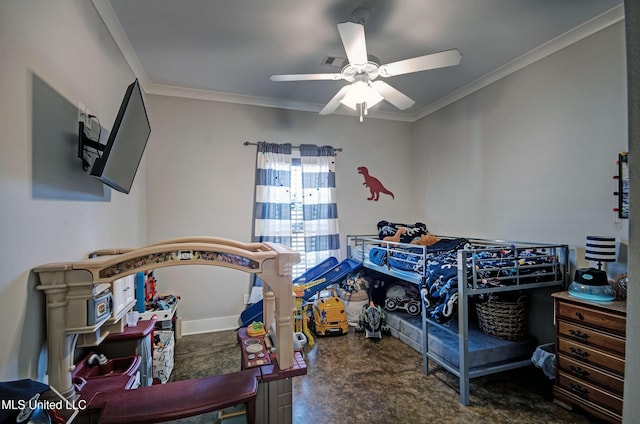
(412, 259)
(493, 267)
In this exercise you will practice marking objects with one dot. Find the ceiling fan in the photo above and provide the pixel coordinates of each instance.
(365, 89)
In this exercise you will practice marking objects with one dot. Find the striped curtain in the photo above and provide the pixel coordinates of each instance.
(286, 182)
(320, 211)
(272, 212)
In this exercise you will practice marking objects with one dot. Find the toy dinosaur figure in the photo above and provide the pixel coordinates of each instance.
(372, 322)
(374, 185)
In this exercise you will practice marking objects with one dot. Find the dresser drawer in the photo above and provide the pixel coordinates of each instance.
(591, 317)
(590, 393)
(583, 353)
(591, 337)
(589, 374)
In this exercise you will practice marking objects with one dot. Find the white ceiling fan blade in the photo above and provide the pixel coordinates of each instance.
(354, 42)
(421, 63)
(392, 95)
(306, 77)
(335, 101)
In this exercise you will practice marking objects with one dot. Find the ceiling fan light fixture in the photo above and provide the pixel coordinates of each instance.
(361, 93)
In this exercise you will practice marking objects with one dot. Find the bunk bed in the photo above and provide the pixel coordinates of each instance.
(451, 274)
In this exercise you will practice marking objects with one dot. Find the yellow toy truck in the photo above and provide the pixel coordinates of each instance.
(329, 314)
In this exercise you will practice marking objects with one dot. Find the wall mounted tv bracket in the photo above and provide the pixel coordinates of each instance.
(89, 146)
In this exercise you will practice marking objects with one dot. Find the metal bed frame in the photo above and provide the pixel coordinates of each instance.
(467, 287)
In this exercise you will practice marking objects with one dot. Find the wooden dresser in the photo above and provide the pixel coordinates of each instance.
(590, 352)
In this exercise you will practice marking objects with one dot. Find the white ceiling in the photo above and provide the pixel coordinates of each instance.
(227, 50)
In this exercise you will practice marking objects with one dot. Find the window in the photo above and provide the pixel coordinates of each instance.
(297, 218)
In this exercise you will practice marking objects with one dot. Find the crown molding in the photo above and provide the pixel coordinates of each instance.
(578, 33)
(111, 21)
(582, 31)
(215, 96)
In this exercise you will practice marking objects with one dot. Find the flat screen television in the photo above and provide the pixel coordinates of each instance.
(120, 158)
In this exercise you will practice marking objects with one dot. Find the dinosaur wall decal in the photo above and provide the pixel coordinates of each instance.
(374, 185)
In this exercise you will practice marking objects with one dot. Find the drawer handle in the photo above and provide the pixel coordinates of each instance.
(578, 371)
(579, 352)
(580, 316)
(578, 389)
(579, 334)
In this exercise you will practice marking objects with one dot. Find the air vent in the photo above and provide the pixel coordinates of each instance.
(335, 61)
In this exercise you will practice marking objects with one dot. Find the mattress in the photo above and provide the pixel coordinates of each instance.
(484, 350)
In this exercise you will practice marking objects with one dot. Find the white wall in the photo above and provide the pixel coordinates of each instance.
(66, 45)
(532, 156)
(201, 180)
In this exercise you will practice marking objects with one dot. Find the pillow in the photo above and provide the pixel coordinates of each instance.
(389, 229)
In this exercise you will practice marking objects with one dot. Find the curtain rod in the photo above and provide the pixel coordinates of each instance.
(248, 143)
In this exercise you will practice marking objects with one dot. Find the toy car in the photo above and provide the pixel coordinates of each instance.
(411, 306)
(329, 314)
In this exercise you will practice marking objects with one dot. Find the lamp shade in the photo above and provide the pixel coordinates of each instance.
(600, 249)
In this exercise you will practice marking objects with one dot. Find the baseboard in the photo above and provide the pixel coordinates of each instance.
(209, 325)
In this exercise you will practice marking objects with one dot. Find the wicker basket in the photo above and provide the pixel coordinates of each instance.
(505, 320)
